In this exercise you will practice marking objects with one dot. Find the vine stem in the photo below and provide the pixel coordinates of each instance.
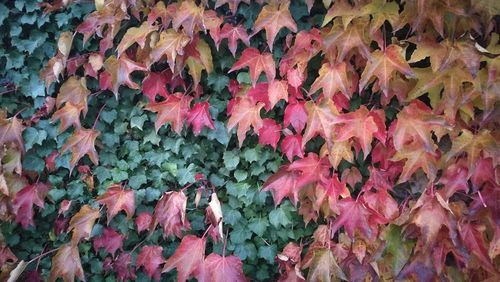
(206, 231)
(225, 244)
(42, 255)
(98, 116)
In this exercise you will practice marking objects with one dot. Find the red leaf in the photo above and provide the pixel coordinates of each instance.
(117, 199)
(123, 268)
(233, 34)
(143, 221)
(155, 84)
(259, 93)
(269, 133)
(170, 213)
(292, 146)
(257, 63)
(151, 257)
(174, 110)
(188, 258)
(25, 199)
(295, 115)
(222, 268)
(199, 116)
(284, 183)
(110, 241)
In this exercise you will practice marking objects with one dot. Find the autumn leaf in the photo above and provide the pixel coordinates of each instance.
(362, 125)
(188, 258)
(120, 70)
(283, 183)
(199, 116)
(296, 116)
(190, 16)
(155, 84)
(321, 119)
(143, 221)
(170, 213)
(332, 78)
(245, 114)
(337, 152)
(257, 63)
(269, 133)
(233, 4)
(151, 257)
(117, 198)
(174, 109)
(122, 266)
(416, 157)
(69, 115)
(233, 34)
(292, 146)
(214, 216)
(110, 241)
(273, 17)
(222, 268)
(170, 44)
(382, 64)
(66, 264)
(135, 35)
(24, 200)
(11, 130)
(324, 267)
(82, 222)
(81, 143)
(473, 145)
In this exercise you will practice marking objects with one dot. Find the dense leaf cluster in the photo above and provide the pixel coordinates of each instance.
(373, 124)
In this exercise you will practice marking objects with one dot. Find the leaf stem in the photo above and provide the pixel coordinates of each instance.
(98, 116)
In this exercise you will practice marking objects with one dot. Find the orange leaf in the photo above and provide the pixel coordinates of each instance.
(81, 143)
(82, 222)
(257, 63)
(66, 264)
(245, 114)
(273, 18)
(174, 110)
(117, 199)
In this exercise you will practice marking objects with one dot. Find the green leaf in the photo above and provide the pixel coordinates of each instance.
(33, 136)
(279, 217)
(231, 160)
(258, 226)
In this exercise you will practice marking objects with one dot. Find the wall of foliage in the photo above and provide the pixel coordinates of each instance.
(249, 140)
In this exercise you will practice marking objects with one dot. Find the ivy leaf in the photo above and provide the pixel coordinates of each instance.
(188, 259)
(272, 18)
(116, 199)
(257, 63)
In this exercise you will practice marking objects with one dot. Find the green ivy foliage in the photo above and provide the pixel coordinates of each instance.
(130, 151)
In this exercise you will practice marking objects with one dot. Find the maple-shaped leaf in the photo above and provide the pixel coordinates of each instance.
(143, 221)
(170, 44)
(273, 17)
(355, 216)
(430, 215)
(11, 130)
(135, 35)
(199, 116)
(277, 90)
(73, 90)
(24, 200)
(416, 122)
(341, 42)
(383, 203)
(66, 264)
(324, 267)
(174, 110)
(222, 268)
(257, 63)
(332, 78)
(151, 257)
(188, 258)
(69, 115)
(233, 34)
(312, 168)
(473, 145)
(233, 4)
(82, 222)
(269, 133)
(117, 198)
(296, 116)
(122, 267)
(170, 213)
(120, 70)
(110, 241)
(291, 146)
(337, 152)
(260, 93)
(382, 64)
(155, 84)
(473, 237)
(283, 183)
(199, 58)
(81, 143)
(190, 16)
(416, 157)
(321, 119)
(245, 114)
(363, 125)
